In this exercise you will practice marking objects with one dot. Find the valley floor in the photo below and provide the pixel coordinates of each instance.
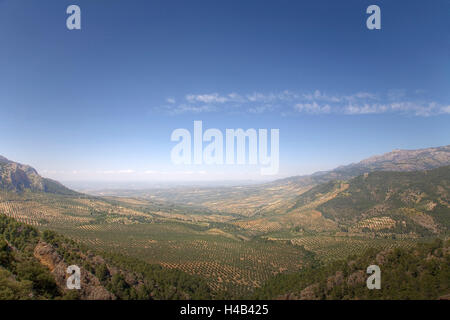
(230, 258)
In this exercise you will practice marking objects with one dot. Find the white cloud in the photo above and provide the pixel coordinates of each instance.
(312, 108)
(317, 95)
(445, 109)
(362, 95)
(185, 108)
(206, 98)
(261, 109)
(316, 102)
(365, 109)
(396, 94)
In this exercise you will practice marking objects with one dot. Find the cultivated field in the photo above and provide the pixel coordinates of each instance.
(234, 254)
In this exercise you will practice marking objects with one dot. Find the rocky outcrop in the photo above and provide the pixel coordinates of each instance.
(18, 177)
(309, 293)
(91, 288)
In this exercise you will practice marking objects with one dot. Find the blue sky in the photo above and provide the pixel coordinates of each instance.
(100, 103)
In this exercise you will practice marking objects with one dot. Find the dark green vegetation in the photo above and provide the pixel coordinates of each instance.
(22, 276)
(27, 273)
(422, 272)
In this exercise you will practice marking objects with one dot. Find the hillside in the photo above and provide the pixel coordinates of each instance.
(422, 272)
(394, 202)
(17, 177)
(33, 266)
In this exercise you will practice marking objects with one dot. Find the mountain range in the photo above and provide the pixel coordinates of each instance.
(19, 177)
(397, 160)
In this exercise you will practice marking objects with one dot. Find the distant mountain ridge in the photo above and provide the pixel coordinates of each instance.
(406, 160)
(397, 160)
(18, 177)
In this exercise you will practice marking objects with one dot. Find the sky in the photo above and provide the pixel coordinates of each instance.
(101, 103)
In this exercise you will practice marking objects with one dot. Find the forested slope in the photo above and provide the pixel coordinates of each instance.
(33, 266)
(419, 273)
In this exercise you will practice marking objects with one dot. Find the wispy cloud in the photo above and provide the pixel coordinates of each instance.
(402, 107)
(206, 98)
(316, 102)
(445, 109)
(188, 108)
(396, 94)
(312, 108)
